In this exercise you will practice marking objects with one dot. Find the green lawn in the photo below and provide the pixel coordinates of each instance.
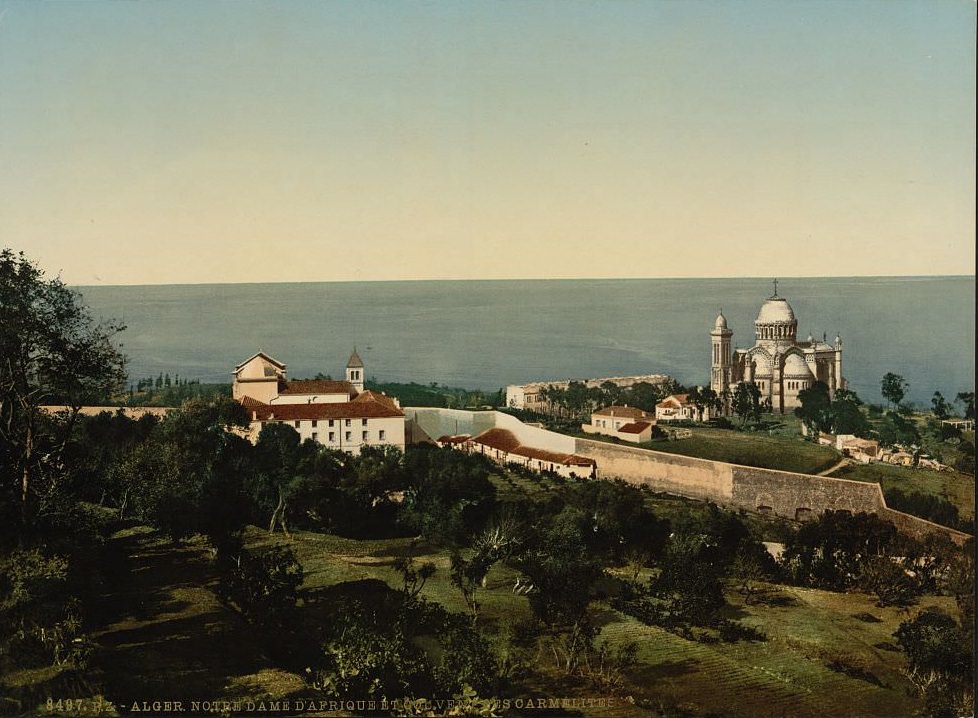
(955, 487)
(752, 449)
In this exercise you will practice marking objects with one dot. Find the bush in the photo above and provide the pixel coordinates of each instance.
(262, 586)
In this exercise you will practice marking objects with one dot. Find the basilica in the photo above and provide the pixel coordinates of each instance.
(779, 364)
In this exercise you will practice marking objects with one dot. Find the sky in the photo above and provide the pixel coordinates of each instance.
(160, 142)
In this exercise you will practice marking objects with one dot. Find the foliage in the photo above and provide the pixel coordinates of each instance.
(747, 402)
(262, 586)
(927, 506)
(38, 625)
(832, 551)
(816, 408)
(51, 352)
(893, 387)
(449, 495)
(939, 662)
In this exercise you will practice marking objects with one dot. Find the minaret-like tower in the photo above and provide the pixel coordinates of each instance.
(839, 382)
(721, 375)
(354, 371)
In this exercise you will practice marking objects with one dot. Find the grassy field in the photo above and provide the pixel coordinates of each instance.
(952, 486)
(752, 449)
(826, 653)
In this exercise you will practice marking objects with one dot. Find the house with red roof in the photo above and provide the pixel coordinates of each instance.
(678, 407)
(502, 446)
(340, 415)
(622, 422)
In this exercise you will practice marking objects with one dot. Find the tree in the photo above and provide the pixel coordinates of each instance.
(968, 399)
(847, 417)
(939, 662)
(747, 402)
(893, 387)
(940, 406)
(816, 408)
(51, 351)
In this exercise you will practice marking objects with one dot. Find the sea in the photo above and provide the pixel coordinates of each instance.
(488, 334)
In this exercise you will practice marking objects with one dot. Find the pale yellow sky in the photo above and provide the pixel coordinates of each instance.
(177, 142)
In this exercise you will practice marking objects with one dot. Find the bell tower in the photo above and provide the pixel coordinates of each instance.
(354, 371)
(721, 374)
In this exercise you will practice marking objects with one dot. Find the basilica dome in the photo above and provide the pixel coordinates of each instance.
(775, 310)
(797, 368)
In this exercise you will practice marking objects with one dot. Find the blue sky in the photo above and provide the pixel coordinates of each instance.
(163, 142)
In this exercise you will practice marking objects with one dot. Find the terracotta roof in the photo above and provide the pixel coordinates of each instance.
(635, 428)
(628, 412)
(265, 356)
(370, 395)
(543, 455)
(334, 410)
(355, 361)
(505, 440)
(674, 400)
(316, 386)
(501, 439)
(248, 403)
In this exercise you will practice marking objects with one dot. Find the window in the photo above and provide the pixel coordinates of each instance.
(365, 436)
(315, 436)
(363, 422)
(298, 424)
(348, 423)
(383, 435)
(349, 436)
(332, 437)
(330, 422)
(314, 423)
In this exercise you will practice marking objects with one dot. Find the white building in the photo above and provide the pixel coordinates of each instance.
(678, 407)
(623, 422)
(338, 414)
(779, 364)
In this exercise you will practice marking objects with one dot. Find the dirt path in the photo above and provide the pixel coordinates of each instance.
(835, 467)
(163, 635)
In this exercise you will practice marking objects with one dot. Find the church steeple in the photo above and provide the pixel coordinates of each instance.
(354, 371)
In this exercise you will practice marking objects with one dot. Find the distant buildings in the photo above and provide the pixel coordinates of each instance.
(779, 364)
(622, 422)
(678, 407)
(338, 414)
(503, 446)
(532, 397)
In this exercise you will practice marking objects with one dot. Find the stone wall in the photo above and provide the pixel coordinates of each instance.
(696, 478)
(780, 493)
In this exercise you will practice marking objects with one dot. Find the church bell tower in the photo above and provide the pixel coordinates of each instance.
(721, 374)
(354, 371)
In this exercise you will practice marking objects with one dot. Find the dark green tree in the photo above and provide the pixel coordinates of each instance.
(747, 402)
(51, 352)
(968, 399)
(940, 406)
(893, 387)
(816, 408)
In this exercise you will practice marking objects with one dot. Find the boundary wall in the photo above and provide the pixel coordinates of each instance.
(767, 491)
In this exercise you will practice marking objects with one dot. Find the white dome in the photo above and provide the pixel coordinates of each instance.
(775, 310)
(721, 322)
(795, 367)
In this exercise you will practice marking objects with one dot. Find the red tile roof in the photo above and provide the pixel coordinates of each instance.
(505, 440)
(628, 412)
(500, 439)
(458, 439)
(316, 386)
(635, 428)
(370, 395)
(334, 410)
(676, 400)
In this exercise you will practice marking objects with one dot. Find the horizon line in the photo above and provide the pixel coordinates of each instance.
(525, 279)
